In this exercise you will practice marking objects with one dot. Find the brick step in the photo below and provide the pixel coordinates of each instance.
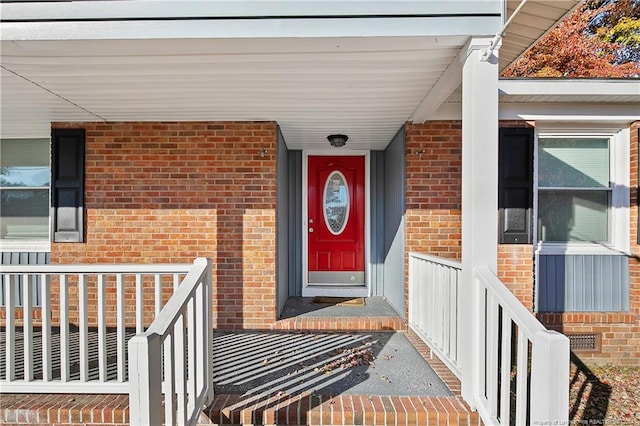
(64, 409)
(313, 409)
(302, 409)
(341, 324)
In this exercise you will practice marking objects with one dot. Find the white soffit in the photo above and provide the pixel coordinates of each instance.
(363, 87)
(535, 19)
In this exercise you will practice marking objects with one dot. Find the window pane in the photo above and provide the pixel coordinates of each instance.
(573, 216)
(336, 203)
(24, 214)
(24, 162)
(581, 163)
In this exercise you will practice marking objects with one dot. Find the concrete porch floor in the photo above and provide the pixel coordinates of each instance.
(258, 364)
(308, 307)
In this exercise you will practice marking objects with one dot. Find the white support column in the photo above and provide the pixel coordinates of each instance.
(479, 198)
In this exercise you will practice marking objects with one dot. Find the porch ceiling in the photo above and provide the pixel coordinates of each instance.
(313, 85)
(363, 87)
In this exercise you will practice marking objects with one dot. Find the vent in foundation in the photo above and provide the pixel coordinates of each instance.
(584, 342)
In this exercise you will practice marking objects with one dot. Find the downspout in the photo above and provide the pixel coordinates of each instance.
(497, 39)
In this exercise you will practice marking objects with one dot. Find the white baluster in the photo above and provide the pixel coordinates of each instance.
(120, 327)
(158, 294)
(64, 328)
(181, 377)
(505, 370)
(9, 304)
(46, 327)
(27, 326)
(191, 353)
(102, 330)
(84, 327)
(492, 355)
(169, 381)
(522, 367)
(139, 304)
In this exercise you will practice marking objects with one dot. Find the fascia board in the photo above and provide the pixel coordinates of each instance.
(587, 87)
(268, 28)
(133, 9)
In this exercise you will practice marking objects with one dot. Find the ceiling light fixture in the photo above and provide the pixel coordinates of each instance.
(337, 140)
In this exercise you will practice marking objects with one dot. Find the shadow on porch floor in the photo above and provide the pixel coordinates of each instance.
(258, 365)
(282, 391)
(375, 378)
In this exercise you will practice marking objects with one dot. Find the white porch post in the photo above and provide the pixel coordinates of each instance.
(479, 199)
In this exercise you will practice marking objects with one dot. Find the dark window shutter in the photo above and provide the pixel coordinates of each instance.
(515, 186)
(67, 192)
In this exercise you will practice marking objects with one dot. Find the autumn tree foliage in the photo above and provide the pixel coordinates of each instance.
(600, 39)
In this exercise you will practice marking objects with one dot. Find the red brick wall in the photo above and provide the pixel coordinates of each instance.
(433, 191)
(171, 192)
(433, 188)
(515, 270)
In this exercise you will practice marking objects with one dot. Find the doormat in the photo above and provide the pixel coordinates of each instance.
(339, 301)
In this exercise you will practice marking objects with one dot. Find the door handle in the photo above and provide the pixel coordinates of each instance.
(310, 229)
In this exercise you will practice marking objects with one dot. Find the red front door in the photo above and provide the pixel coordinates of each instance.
(336, 218)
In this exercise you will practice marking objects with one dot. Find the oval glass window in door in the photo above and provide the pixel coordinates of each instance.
(336, 202)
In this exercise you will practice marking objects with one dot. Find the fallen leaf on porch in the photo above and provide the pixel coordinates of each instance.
(265, 362)
(350, 358)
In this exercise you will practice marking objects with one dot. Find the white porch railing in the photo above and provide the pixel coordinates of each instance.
(76, 341)
(433, 305)
(171, 362)
(522, 371)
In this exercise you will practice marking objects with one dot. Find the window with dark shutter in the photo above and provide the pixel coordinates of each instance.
(515, 186)
(67, 192)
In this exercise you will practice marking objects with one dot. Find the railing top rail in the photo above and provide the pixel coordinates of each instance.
(129, 268)
(441, 260)
(178, 301)
(516, 310)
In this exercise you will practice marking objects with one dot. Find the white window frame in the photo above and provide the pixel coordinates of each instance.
(35, 245)
(619, 226)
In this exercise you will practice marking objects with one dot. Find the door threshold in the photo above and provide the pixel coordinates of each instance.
(335, 291)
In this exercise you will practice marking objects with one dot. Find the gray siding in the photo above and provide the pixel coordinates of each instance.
(394, 207)
(24, 258)
(295, 222)
(377, 222)
(582, 283)
(282, 221)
